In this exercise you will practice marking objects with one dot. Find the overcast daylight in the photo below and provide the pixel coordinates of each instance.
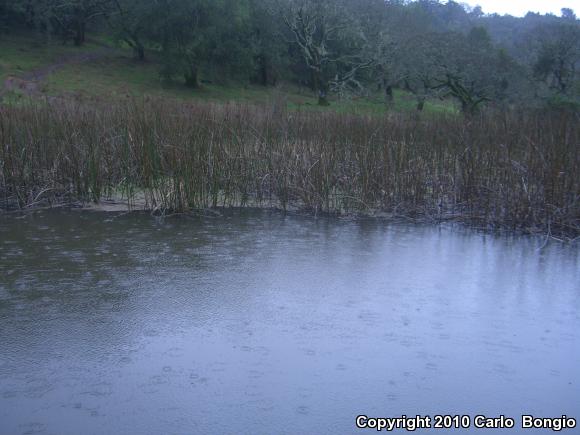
(289, 217)
(518, 8)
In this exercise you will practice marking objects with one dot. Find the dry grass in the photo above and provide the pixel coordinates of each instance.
(519, 170)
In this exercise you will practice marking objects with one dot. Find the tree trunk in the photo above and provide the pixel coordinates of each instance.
(467, 108)
(140, 51)
(388, 92)
(79, 37)
(264, 70)
(322, 98)
(137, 47)
(420, 104)
(321, 87)
(191, 77)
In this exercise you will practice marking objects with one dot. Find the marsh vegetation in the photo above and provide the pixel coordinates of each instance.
(514, 170)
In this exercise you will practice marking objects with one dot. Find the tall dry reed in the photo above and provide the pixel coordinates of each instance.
(512, 169)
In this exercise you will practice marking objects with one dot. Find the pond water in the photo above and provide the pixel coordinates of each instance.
(260, 323)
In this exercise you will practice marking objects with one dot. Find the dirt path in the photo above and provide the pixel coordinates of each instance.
(30, 82)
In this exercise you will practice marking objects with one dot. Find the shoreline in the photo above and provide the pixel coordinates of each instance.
(465, 222)
(499, 170)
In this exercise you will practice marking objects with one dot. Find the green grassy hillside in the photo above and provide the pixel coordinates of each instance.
(100, 70)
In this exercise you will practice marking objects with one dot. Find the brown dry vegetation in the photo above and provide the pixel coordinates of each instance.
(515, 170)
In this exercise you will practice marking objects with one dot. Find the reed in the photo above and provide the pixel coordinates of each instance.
(519, 170)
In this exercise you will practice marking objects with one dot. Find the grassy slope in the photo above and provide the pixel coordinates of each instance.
(19, 54)
(116, 74)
